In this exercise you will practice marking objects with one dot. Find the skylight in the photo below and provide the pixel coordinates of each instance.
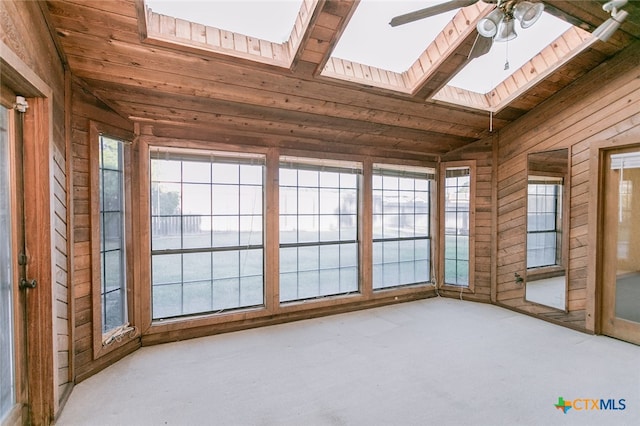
(370, 40)
(248, 17)
(410, 58)
(486, 72)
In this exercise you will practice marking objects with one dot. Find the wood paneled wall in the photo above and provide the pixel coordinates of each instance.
(39, 76)
(85, 109)
(61, 289)
(598, 108)
(482, 153)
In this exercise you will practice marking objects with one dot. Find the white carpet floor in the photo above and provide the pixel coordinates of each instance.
(430, 362)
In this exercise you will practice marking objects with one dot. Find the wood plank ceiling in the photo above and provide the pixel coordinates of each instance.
(186, 92)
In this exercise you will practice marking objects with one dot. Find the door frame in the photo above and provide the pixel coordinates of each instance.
(628, 136)
(619, 327)
(37, 132)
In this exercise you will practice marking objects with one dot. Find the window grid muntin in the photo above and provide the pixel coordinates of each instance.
(290, 180)
(456, 240)
(382, 180)
(544, 199)
(215, 246)
(112, 318)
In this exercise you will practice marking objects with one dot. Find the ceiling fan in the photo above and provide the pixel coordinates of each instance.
(499, 24)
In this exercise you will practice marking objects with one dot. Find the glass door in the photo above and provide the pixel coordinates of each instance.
(13, 379)
(621, 245)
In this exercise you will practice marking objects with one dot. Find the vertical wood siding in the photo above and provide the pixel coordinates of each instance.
(481, 152)
(86, 108)
(597, 108)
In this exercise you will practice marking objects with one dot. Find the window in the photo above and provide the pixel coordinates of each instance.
(457, 197)
(113, 277)
(544, 221)
(7, 373)
(206, 232)
(318, 228)
(401, 225)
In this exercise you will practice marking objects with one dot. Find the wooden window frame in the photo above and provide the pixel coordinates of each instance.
(273, 312)
(471, 164)
(207, 156)
(318, 164)
(377, 170)
(100, 347)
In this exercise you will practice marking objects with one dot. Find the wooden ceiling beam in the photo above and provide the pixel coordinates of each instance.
(272, 119)
(165, 132)
(267, 94)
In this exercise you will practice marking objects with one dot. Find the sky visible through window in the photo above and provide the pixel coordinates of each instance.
(270, 20)
(369, 39)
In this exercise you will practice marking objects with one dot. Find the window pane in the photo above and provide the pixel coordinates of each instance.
(112, 270)
(251, 200)
(288, 177)
(308, 178)
(226, 199)
(196, 231)
(197, 297)
(225, 173)
(308, 228)
(111, 184)
(308, 201)
(456, 223)
(403, 215)
(543, 224)
(220, 210)
(329, 201)
(226, 231)
(329, 228)
(251, 293)
(288, 229)
(288, 286)
(196, 199)
(329, 179)
(112, 230)
(348, 201)
(308, 258)
(166, 268)
(7, 382)
(197, 172)
(166, 170)
(251, 263)
(196, 266)
(166, 198)
(288, 200)
(114, 314)
(250, 230)
(349, 180)
(320, 212)
(226, 264)
(251, 175)
(112, 243)
(166, 232)
(167, 300)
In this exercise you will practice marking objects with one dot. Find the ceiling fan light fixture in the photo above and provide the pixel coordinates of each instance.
(488, 26)
(506, 30)
(606, 30)
(527, 13)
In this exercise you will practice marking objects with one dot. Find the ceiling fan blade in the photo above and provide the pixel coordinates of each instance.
(430, 11)
(481, 46)
(551, 9)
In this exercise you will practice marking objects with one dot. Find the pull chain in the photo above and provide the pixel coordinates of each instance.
(506, 63)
